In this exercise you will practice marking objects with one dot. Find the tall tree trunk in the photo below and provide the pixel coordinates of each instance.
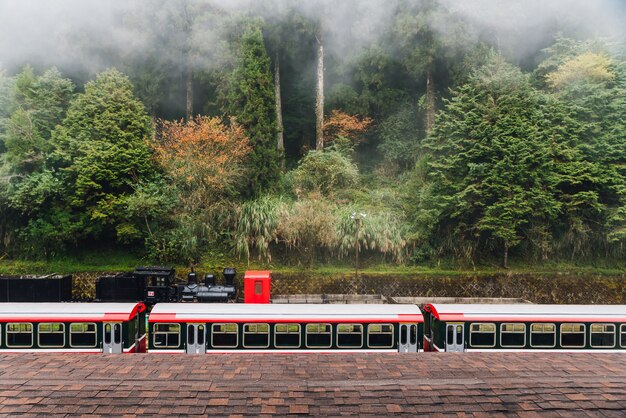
(189, 83)
(430, 101)
(153, 124)
(505, 258)
(319, 101)
(280, 141)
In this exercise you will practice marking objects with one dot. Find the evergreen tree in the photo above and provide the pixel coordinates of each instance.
(490, 164)
(251, 102)
(428, 53)
(6, 100)
(40, 104)
(37, 105)
(101, 153)
(591, 88)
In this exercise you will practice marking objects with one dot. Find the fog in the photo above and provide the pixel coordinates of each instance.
(87, 35)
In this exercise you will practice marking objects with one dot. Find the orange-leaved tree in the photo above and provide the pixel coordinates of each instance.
(342, 125)
(204, 157)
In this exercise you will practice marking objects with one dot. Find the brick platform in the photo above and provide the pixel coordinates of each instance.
(330, 384)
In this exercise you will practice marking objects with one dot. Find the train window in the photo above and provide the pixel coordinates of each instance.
(191, 334)
(513, 335)
(483, 335)
(349, 335)
(380, 335)
(51, 334)
(256, 335)
(573, 335)
(83, 334)
(622, 333)
(224, 335)
(603, 335)
(450, 335)
(166, 336)
(117, 333)
(20, 334)
(287, 335)
(542, 335)
(107, 334)
(318, 335)
(200, 334)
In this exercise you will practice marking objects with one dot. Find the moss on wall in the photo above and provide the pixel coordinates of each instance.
(549, 288)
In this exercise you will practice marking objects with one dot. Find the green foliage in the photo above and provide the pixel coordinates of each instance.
(381, 232)
(76, 165)
(584, 68)
(257, 226)
(491, 166)
(182, 243)
(6, 100)
(314, 227)
(40, 104)
(530, 160)
(34, 106)
(592, 179)
(511, 164)
(102, 150)
(563, 50)
(309, 228)
(251, 102)
(400, 137)
(326, 172)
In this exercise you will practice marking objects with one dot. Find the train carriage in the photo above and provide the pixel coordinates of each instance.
(524, 327)
(200, 328)
(72, 327)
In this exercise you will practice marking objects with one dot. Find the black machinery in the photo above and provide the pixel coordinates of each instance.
(209, 291)
(50, 288)
(145, 284)
(158, 284)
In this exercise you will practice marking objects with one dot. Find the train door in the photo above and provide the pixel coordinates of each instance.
(196, 337)
(408, 338)
(112, 337)
(454, 337)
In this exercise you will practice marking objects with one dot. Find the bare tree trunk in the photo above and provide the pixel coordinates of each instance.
(280, 141)
(430, 102)
(189, 83)
(505, 258)
(319, 102)
(153, 124)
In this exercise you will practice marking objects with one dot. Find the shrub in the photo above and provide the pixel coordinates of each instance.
(309, 227)
(381, 232)
(257, 225)
(325, 172)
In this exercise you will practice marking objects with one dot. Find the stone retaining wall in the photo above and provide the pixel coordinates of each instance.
(537, 288)
(555, 288)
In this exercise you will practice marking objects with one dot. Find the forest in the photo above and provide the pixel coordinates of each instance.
(458, 132)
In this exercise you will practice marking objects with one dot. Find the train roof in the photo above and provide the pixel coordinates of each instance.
(66, 312)
(241, 312)
(527, 312)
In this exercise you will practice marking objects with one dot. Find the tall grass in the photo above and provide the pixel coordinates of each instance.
(256, 226)
(313, 226)
(380, 232)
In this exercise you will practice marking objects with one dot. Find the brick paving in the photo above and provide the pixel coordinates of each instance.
(470, 384)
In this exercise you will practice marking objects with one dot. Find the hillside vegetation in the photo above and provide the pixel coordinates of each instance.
(253, 136)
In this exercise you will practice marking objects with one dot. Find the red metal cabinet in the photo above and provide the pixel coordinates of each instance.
(256, 286)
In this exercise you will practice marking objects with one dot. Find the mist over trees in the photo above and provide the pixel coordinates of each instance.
(476, 131)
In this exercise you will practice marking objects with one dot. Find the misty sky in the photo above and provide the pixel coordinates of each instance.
(65, 32)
